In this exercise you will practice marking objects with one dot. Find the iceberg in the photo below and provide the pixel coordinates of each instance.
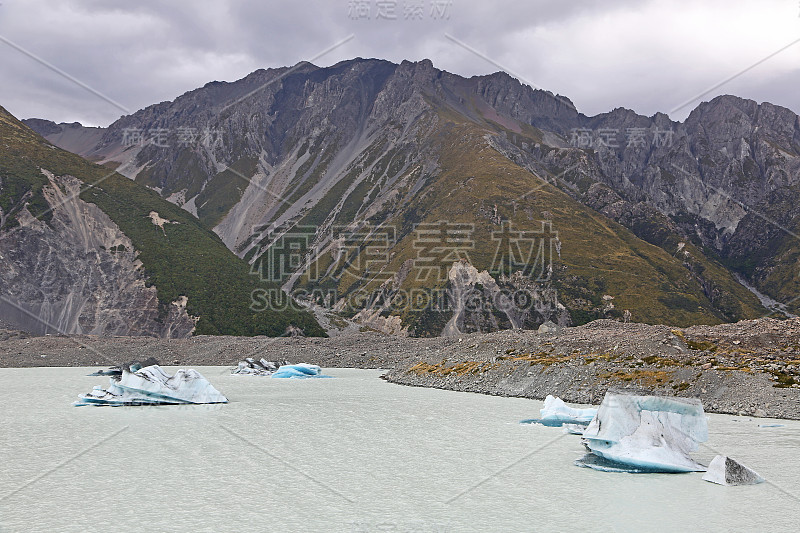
(556, 413)
(251, 367)
(726, 471)
(279, 369)
(132, 366)
(648, 433)
(548, 423)
(152, 386)
(555, 410)
(298, 371)
(574, 429)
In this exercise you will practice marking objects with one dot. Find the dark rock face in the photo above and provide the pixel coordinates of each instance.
(78, 274)
(359, 142)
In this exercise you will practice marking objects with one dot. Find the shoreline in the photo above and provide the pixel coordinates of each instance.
(750, 368)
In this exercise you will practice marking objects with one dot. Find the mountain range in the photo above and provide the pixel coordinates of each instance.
(416, 201)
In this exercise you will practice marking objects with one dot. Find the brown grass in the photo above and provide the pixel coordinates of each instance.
(459, 369)
(651, 378)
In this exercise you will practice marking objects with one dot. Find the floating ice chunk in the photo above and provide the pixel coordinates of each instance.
(113, 371)
(574, 429)
(555, 410)
(116, 396)
(133, 366)
(188, 386)
(152, 386)
(726, 471)
(298, 371)
(556, 413)
(251, 367)
(548, 423)
(271, 365)
(651, 433)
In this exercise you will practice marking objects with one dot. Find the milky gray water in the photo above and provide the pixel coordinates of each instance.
(350, 454)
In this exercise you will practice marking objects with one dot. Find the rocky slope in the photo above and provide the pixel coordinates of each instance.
(370, 187)
(85, 250)
(747, 368)
(78, 273)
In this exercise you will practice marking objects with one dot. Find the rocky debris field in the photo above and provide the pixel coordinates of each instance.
(749, 368)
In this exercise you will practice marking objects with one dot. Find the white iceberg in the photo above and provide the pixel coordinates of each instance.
(298, 371)
(726, 471)
(251, 367)
(556, 413)
(648, 433)
(555, 410)
(152, 386)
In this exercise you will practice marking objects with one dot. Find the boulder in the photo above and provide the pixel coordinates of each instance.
(549, 327)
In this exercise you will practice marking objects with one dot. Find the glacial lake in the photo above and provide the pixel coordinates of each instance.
(352, 453)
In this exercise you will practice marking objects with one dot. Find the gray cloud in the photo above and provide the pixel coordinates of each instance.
(647, 55)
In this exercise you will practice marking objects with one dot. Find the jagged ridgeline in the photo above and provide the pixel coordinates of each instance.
(86, 250)
(410, 198)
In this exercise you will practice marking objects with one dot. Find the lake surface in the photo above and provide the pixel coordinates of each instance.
(351, 454)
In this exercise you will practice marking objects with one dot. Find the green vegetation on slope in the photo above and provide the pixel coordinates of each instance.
(224, 190)
(184, 259)
(598, 256)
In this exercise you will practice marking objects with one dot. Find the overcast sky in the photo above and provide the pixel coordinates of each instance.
(645, 55)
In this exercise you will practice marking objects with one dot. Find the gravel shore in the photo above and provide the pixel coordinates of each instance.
(749, 368)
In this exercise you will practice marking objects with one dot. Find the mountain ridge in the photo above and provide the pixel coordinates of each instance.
(301, 147)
